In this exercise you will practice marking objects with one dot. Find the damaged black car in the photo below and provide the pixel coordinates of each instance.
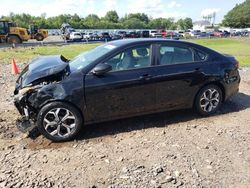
(122, 79)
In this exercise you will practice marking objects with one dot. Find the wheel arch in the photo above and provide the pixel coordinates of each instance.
(218, 84)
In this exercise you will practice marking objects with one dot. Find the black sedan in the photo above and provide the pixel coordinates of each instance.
(121, 79)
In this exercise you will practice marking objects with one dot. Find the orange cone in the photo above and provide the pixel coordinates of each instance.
(14, 67)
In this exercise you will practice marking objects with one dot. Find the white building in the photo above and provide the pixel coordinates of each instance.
(201, 25)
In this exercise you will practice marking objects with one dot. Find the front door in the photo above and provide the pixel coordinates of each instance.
(127, 90)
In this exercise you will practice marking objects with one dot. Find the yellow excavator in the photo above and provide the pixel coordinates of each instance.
(11, 34)
(36, 33)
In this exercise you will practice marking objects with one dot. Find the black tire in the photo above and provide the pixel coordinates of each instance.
(47, 112)
(13, 39)
(213, 105)
(39, 37)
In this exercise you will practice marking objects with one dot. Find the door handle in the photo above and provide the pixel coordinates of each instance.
(146, 77)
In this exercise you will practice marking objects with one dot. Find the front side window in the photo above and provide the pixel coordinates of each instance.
(90, 56)
(137, 57)
(175, 55)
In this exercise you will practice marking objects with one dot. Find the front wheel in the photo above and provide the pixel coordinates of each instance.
(208, 100)
(59, 121)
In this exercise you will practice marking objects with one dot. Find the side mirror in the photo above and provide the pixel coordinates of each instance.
(101, 69)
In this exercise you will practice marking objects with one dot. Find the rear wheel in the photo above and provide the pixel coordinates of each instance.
(12, 39)
(39, 37)
(59, 121)
(208, 100)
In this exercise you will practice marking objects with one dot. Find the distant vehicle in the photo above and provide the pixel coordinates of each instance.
(88, 36)
(152, 33)
(131, 34)
(122, 33)
(115, 36)
(105, 35)
(11, 34)
(243, 33)
(96, 36)
(217, 34)
(185, 34)
(143, 34)
(66, 29)
(75, 36)
(121, 79)
(37, 33)
(172, 34)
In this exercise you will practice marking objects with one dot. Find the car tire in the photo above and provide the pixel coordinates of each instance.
(59, 121)
(208, 100)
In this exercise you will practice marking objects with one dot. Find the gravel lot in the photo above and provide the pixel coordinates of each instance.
(172, 149)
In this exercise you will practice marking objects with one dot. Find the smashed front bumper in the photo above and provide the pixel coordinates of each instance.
(25, 123)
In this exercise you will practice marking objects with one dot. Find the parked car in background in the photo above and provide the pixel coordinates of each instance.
(88, 36)
(75, 36)
(217, 34)
(122, 33)
(105, 35)
(131, 34)
(152, 33)
(96, 36)
(115, 36)
(143, 34)
(122, 79)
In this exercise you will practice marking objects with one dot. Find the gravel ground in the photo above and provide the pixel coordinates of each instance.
(172, 149)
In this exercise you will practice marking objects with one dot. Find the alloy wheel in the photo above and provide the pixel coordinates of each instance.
(59, 122)
(209, 100)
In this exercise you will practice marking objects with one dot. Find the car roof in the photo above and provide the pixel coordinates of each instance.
(124, 42)
(127, 42)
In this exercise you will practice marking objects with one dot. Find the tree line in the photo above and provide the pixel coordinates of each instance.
(239, 16)
(110, 21)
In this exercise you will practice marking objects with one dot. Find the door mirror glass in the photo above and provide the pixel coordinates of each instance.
(101, 69)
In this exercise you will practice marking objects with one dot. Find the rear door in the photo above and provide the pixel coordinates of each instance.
(179, 74)
(125, 91)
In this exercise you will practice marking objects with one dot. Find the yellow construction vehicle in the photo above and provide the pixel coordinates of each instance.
(11, 34)
(38, 34)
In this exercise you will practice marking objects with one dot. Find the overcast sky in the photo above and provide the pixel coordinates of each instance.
(155, 8)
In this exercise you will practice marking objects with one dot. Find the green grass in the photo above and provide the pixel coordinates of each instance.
(22, 55)
(238, 47)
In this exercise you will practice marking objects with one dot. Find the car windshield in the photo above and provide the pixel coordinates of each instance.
(90, 56)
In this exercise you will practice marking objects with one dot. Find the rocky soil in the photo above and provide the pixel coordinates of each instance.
(172, 149)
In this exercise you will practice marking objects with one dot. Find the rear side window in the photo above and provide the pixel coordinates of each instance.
(200, 56)
(175, 55)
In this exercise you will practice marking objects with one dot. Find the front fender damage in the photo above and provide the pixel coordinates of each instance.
(31, 101)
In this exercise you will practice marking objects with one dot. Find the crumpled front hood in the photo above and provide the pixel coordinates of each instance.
(41, 67)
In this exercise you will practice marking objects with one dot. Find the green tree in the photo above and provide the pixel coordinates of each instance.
(185, 24)
(139, 16)
(239, 16)
(161, 23)
(112, 16)
(133, 23)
